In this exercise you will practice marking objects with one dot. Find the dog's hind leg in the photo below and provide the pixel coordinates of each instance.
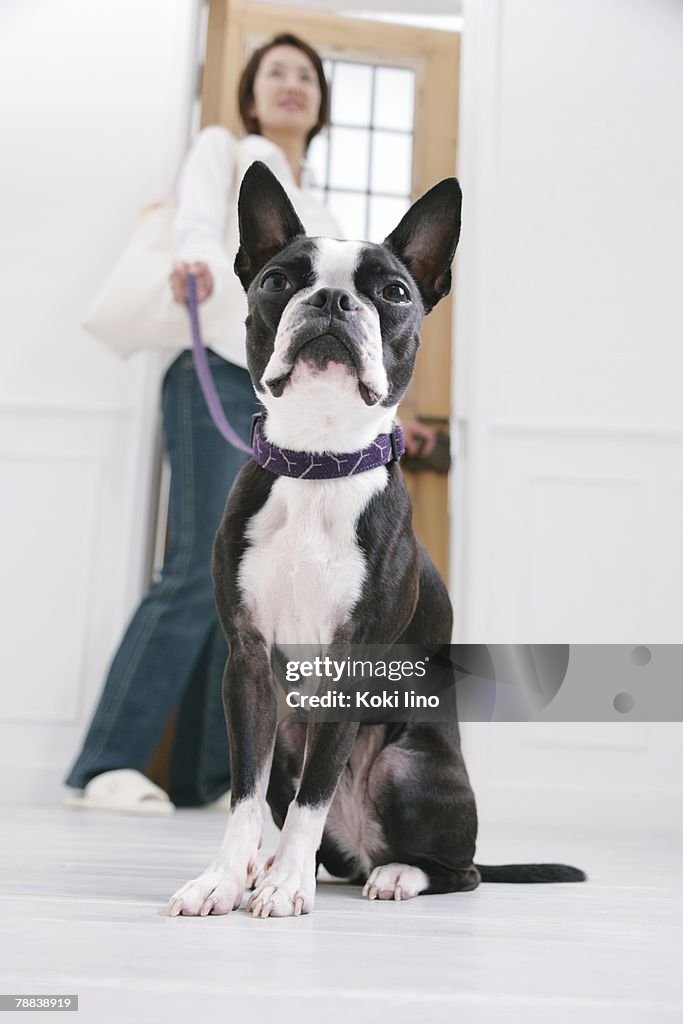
(403, 881)
(428, 817)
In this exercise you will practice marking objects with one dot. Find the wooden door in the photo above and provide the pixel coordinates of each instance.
(418, 136)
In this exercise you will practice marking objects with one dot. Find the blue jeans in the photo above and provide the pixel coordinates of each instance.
(173, 652)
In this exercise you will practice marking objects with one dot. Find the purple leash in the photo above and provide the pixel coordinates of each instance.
(201, 365)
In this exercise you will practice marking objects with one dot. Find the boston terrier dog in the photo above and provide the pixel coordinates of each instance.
(316, 547)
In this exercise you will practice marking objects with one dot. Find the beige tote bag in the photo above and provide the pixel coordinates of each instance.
(135, 308)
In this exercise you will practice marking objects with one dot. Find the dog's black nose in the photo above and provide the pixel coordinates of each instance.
(334, 300)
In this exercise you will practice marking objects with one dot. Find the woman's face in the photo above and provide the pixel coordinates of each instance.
(286, 92)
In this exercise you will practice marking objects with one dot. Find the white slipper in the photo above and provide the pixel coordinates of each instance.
(123, 791)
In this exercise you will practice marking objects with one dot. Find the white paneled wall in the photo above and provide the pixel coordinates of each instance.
(587, 534)
(568, 342)
(98, 121)
(568, 493)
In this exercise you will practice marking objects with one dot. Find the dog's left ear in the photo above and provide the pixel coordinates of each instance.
(267, 221)
(426, 239)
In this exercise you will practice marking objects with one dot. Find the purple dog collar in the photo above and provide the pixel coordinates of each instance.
(326, 466)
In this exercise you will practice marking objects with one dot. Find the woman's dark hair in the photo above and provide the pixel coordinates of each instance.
(245, 92)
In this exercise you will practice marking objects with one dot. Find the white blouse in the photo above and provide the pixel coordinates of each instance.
(206, 229)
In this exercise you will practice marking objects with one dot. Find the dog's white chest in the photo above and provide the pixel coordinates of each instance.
(303, 570)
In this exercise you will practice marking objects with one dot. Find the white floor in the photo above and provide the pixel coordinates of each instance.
(82, 912)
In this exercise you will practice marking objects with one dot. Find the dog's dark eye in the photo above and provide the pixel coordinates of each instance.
(275, 282)
(395, 292)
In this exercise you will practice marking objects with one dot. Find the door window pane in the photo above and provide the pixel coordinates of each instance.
(363, 160)
(385, 214)
(392, 163)
(394, 98)
(349, 158)
(352, 94)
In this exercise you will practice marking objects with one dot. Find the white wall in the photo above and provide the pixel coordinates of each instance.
(568, 496)
(569, 355)
(95, 128)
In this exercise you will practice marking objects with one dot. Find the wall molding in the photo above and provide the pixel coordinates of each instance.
(15, 407)
(555, 805)
(616, 431)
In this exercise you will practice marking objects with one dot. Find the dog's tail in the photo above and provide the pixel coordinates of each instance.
(528, 873)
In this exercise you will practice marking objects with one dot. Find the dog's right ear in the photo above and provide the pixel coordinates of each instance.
(267, 221)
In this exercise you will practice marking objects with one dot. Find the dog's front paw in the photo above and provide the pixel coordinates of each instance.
(283, 890)
(216, 891)
(395, 882)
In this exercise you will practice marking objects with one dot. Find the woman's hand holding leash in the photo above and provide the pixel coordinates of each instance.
(202, 275)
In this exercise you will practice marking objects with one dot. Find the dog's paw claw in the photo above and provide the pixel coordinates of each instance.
(283, 892)
(256, 879)
(395, 882)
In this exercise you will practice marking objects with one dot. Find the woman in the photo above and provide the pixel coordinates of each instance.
(173, 652)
